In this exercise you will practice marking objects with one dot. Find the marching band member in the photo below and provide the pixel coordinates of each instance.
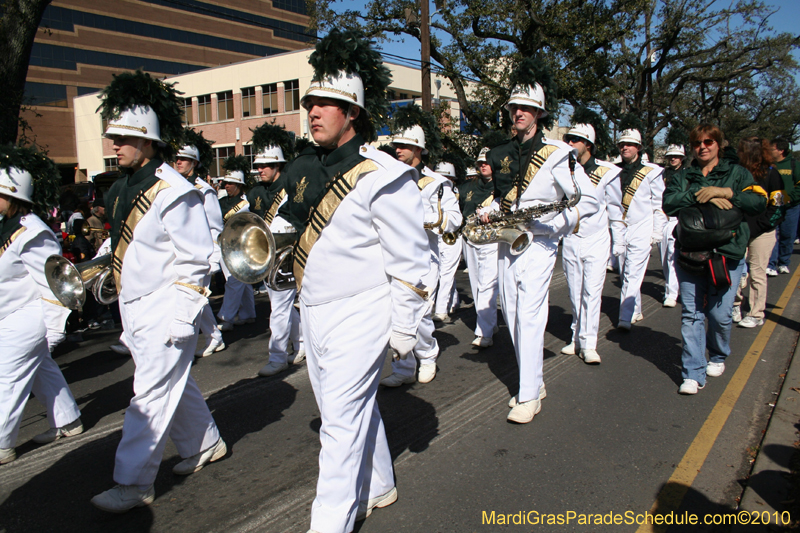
(449, 257)
(441, 215)
(675, 155)
(481, 259)
(530, 170)
(585, 254)
(238, 303)
(31, 318)
(358, 265)
(641, 187)
(272, 144)
(161, 245)
(188, 163)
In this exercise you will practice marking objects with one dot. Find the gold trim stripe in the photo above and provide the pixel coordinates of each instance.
(598, 174)
(273, 209)
(11, 239)
(12, 188)
(124, 127)
(196, 288)
(331, 90)
(631, 189)
(233, 210)
(422, 293)
(537, 161)
(424, 181)
(54, 302)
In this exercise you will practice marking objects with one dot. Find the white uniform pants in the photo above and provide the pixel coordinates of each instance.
(482, 265)
(166, 401)
(25, 365)
(524, 293)
(346, 343)
(238, 299)
(447, 294)
(633, 266)
(284, 325)
(584, 260)
(667, 249)
(206, 322)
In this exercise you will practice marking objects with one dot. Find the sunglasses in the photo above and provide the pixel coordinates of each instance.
(705, 142)
(573, 139)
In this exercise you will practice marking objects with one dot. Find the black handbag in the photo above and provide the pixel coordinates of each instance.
(704, 227)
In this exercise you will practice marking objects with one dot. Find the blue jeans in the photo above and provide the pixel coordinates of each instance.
(784, 245)
(700, 299)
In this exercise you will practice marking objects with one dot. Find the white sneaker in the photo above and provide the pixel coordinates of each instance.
(689, 386)
(638, 317)
(771, 272)
(378, 502)
(212, 347)
(783, 269)
(542, 395)
(751, 322)
(522, 413)
(569, 349)
(272, 368)
(120, 349)
(482, 342)
(242, 321)
(297, 357)
(715, 370)
(395, 380)
(736, 314)
(670, 302)
(225, 326)
(590, 357)
(426, 373)
(198, 461)
(624, 325)
(440, 317)
(70, 430)
(123, 498)
(7, 455)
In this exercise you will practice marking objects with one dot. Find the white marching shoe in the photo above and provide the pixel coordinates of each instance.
(378, 502)
(272, 368)
(670, 302)
(482, 342)
(542, 395)
(395, 380)
(213, 346)
(70, 430)
(426, 373)
(7, 455)
(522, 413)
(590, 357)
(198, 461)
(569, 349)
(638, 317)
(123, 498)
(297, 357)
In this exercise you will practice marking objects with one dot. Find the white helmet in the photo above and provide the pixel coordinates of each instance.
(630, 136)
(234, 176)
(446, 169)
(529, 96)
(482, 155)
(675, 149)
(270, 154)
(414, 136)
(471, 172)
(17, 183)
(584, 131)
(344, 87)
(138, 121)
(190, 152)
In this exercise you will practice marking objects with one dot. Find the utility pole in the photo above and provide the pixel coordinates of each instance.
(425, 40)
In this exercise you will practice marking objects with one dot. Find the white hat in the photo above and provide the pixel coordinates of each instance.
(234, 176)
(190, 152)
(446, 169)
(630, 136)
(270, 154)
(482, 155)
(17, 183)
(675, 149)
(584, 131)
(532, 96)
(344, 87)
(414, 136)
(471, 172)
(138, 121)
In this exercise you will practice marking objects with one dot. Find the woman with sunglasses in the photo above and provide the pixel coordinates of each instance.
(710, 179)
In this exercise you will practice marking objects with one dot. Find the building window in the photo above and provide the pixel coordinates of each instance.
(186, 111)
(403, 96)
(225, 105)
(249, 102)
(204, 108)
(291, 95)
(248, 153)
(111, 163)
(45, 94)
(270, 93)
(220, 154)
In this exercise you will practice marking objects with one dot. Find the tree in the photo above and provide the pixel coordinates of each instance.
(18, 27)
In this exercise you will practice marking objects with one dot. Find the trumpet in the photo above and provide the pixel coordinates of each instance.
(102, 233)
(70, 282)
(253, 253)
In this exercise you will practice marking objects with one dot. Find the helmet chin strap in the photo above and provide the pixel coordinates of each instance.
(346, 124)
(137, 156)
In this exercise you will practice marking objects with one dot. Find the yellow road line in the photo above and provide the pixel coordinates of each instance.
(671, 496)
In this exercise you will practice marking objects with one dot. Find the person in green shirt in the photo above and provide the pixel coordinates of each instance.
(786, 230)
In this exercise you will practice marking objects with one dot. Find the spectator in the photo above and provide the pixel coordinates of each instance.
(784, 245)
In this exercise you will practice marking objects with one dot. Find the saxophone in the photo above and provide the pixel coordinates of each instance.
(511, 227)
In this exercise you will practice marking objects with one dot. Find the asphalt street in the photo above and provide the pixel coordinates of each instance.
(612, 438)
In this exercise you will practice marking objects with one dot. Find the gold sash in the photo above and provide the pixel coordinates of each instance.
(488, 201)
(273, 209)
(10, 240)
(235, 209)
(537, 161)
(630, 190)
(598, 174)
(322, 213)
(141, 204)
(198, 186)
(424, 181)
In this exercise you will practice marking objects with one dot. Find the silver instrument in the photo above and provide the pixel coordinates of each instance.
(253, 253)
(70, 282)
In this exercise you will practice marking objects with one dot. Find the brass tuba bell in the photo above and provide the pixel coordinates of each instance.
(253, 253)
(70, 282)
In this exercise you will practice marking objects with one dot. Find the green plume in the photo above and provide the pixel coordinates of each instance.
(459, 162)
(532, 71)
(203, 145)
(411, 115)
(45, 173)
(603, 144)
(677, 135)
(267, 135)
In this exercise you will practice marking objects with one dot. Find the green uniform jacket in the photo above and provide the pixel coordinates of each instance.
(505, 162)
(472, 194)
(266, 193)
(747, 196)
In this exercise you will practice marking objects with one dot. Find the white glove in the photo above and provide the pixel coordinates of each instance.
(540, 228)
(402, 344)
(619, 249)
(54, 338)
(180, 332)
(656, 238)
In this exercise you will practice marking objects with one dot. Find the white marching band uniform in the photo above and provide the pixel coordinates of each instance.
(427, 349)
(481, 260)
(31, 324)
(239, 299)
(667, 248)
(158, 315)
(206, 323)
(449, 258)
(584, 257)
